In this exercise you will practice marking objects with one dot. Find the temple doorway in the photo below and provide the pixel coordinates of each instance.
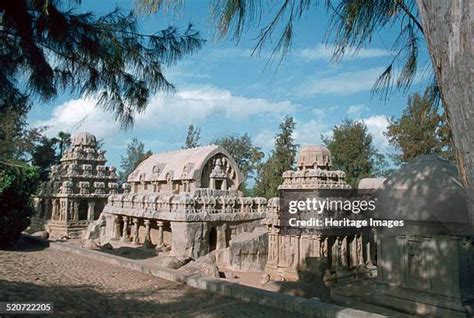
(83, 207)
(212, 239)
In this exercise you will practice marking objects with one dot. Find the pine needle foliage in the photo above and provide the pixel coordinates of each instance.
(47, 48)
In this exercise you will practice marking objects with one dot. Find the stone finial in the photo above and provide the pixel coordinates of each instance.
(72, 170)
(101, 155)
(84, 139)
(113, 186)
(126, 187)
(113, 173)
(67, 187)
(314, 156)
(90, 153)
(84, 187)
(100, 170)
(99, 187)
(87, 168)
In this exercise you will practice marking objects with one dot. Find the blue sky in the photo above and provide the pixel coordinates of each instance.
(226, 91)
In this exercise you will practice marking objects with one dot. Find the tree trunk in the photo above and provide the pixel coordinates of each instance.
(447, 25)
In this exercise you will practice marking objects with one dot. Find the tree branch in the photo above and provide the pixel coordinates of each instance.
(405, 9)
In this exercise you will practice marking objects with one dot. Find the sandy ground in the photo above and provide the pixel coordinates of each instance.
(81, 286)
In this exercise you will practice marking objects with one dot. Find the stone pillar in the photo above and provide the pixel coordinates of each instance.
(47, 209)
(334, 254)
(221, 237)
(75, 216)
(316, 246)
(125, 236)
(359, 250)
(116, 227)
(147, 242)
(59, 211)
(353, 261)
(160, 242)
(368, 247)
(135, 231)
(90, 211)
(54, 211)
(39, 209)
(343, 252)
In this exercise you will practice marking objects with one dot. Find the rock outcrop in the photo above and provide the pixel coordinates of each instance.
(249, 250)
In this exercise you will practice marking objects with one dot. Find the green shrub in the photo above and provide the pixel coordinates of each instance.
(17, 185)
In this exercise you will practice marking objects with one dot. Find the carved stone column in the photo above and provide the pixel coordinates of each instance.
(125, 236)
(135, 231)
(90, 211)
(51, 208)
(360, 252)
(75, 216)
(147, 242)
(221, 237)
(352, 245)
(368, 246)
(160, 242)
(343, 255)
(116, 227)
(39, 209)
(47, 209)
(334, 253)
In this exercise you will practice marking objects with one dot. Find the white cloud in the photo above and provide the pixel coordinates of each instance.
(356, 110)
(325, 52)
(265, 139)
(309, 133)
(82, 115)
(195, 104)
(319, 112)
(377, 125)
(342, 83)
(184, 107)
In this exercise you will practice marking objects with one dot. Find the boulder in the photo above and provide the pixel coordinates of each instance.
(43, 235)
(189, 239)
(172, 261)
(310, 283)
(249, 250)
(205, 265)
(108, 246)
(90, 244)
(93, 229)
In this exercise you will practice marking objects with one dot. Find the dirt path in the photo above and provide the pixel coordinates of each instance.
(81, 286)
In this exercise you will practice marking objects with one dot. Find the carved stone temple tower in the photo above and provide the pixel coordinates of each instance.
(342, 252)
(77, 189)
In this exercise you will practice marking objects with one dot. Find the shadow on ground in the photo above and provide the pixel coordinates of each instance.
(27, 244)
(86, 301)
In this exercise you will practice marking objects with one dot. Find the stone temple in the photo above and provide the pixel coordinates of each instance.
(425, 267)
(340, 253)
(77, 189)
(185, 201)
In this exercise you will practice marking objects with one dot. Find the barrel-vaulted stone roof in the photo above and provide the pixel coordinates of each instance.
(186, 164)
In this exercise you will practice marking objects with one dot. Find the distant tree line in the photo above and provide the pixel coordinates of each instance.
(420, 130)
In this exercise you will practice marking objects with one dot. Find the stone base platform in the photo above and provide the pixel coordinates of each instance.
(58, 229)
